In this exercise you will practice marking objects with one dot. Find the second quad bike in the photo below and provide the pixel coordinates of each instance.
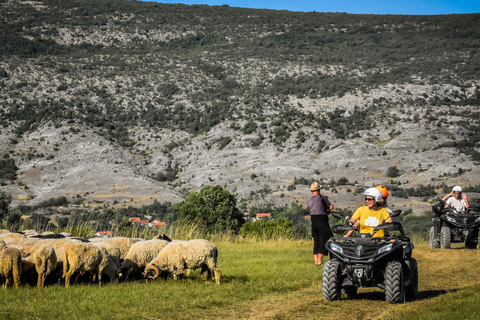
(365, 261)
(451, 226)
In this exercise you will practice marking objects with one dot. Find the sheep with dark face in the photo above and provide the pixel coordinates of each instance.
(44, 260)
(112, 250)
(179, 256)
(139, 255)
(10, 266)
(87, 258)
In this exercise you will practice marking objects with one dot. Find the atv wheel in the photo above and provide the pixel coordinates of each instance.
(445, 238)
(434, 244)
(478, 240)
(412, 290)
(394, 282)
(331, 280)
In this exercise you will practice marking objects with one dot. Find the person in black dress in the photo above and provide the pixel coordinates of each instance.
(321, 232)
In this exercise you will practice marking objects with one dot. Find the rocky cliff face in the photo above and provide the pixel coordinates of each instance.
(120, 101)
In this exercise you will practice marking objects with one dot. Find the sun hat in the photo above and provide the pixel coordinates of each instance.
(315, 186)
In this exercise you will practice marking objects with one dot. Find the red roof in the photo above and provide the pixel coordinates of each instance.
(134, 219)
(259, 215)
(102, 233)
(158, 223)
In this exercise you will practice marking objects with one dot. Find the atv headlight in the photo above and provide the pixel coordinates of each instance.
(477, 220)
(386, 248)
(450, 219)
(336, 248)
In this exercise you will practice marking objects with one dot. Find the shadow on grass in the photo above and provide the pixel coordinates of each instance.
(380, 295)
(423, 295)
(234, 279)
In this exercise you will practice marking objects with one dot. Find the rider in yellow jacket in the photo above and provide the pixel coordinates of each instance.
(371, 214)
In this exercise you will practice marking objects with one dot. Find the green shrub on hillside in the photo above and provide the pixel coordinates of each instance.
(8, 169)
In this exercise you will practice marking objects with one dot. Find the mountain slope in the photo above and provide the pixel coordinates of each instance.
(252, 100)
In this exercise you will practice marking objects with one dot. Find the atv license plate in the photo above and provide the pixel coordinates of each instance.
(358, 273)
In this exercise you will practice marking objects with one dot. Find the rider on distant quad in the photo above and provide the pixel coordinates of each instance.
(456, 199)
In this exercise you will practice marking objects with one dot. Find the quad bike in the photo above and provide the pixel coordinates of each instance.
(365, 261)
(451, 226)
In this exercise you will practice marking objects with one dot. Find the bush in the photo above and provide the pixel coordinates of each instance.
(8, 169)
(393, 172)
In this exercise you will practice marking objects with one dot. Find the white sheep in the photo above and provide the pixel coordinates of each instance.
(59, 246)
(25, 247)
(178, 256)
(45, 261)
(112, 250)
(85, 257)
(122, 243)
(139, 255)
(10, 266)
(12, 237)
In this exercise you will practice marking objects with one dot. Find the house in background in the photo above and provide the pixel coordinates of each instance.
(266, 216)
(146, 223)
(104, 234)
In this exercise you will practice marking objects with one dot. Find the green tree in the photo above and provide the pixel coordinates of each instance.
(214, 206)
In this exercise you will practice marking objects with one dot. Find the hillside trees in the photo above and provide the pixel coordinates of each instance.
(214, 206)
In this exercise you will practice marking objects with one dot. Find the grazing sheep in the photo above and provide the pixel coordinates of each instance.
(25, 247)
(45, 261)
(10, 266)
(12, 237)
(59, 246)
(30, 233)
(112, 250)
(122, 243)
(85, 257)
(139, 255)
(178, 256)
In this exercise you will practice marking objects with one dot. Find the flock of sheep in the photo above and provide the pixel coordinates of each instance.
(55, 258)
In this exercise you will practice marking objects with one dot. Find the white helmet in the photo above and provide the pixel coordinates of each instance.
(457, 189)
(376, 194)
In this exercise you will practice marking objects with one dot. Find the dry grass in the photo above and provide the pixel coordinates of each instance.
(440, 272)
(270, 280)
(21, 197)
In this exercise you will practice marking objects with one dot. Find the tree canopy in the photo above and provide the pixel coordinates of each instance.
(214, 206)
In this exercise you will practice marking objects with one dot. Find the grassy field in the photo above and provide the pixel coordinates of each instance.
(276, 280)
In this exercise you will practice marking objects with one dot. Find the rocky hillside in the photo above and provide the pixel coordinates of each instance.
(125, 102)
